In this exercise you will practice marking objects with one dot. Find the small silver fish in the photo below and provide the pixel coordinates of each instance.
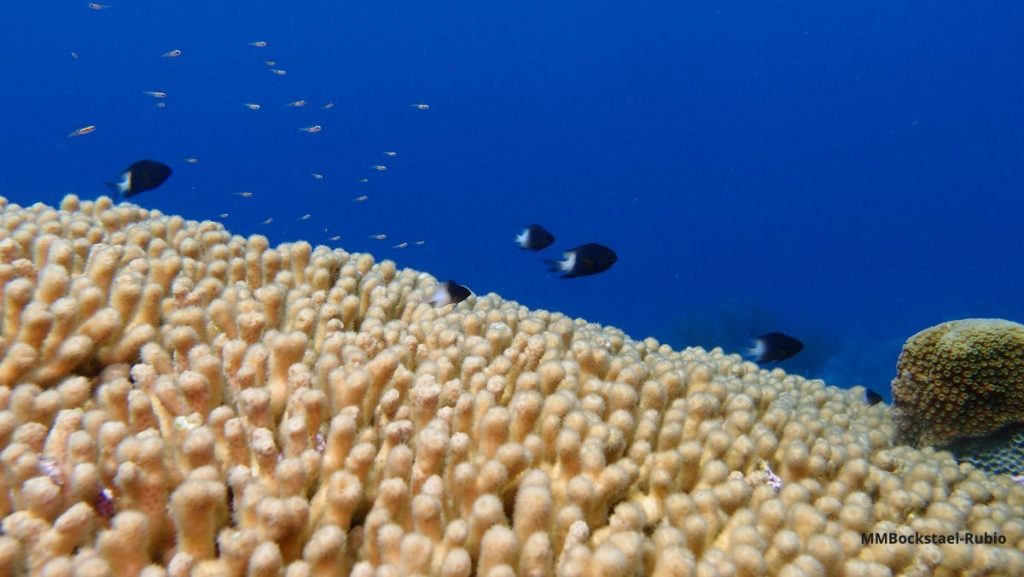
(83, 130)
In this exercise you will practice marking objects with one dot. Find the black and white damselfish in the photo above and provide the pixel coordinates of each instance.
(774, 347)
(584, 260)
(141, 176)
(871, 397)
(535, 237)
(450, 293)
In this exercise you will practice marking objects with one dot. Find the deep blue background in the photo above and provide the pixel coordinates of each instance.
(854, 169)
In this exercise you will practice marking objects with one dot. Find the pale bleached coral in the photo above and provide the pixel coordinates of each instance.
(290, 410)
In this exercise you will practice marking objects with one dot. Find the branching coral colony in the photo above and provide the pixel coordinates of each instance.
(180, 401)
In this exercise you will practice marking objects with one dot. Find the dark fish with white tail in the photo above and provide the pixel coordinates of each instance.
(584, 260)
(871, 397)
(141, 176)
(774, 347)
(450, 293)
(535, 237)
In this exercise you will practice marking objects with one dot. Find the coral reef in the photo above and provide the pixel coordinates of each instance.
(175, 400)
(999, 452)
(959, 379)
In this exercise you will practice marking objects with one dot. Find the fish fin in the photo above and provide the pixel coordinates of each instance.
(118, 193)
(121, 187)
(441, 297)
(757, 351)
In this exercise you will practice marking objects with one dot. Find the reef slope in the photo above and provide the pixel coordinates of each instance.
(177, 400)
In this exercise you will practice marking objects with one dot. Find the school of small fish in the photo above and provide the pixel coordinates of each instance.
(146, 175)
(583, 260)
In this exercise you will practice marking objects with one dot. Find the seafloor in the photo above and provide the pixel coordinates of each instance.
(177, 400)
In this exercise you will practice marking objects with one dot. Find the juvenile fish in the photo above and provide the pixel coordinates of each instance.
(534, 237)
(141, 176)
(450, 293)
(584, 260)
(774, 347)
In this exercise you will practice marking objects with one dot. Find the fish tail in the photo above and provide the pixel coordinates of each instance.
(757, 351)
(118, 193)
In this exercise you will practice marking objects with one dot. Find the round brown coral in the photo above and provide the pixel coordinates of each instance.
(959, 379)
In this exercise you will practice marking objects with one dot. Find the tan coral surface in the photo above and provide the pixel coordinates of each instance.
(959, 379)
(175, 400)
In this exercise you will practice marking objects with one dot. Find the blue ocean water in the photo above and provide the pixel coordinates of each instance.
(847, 173)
